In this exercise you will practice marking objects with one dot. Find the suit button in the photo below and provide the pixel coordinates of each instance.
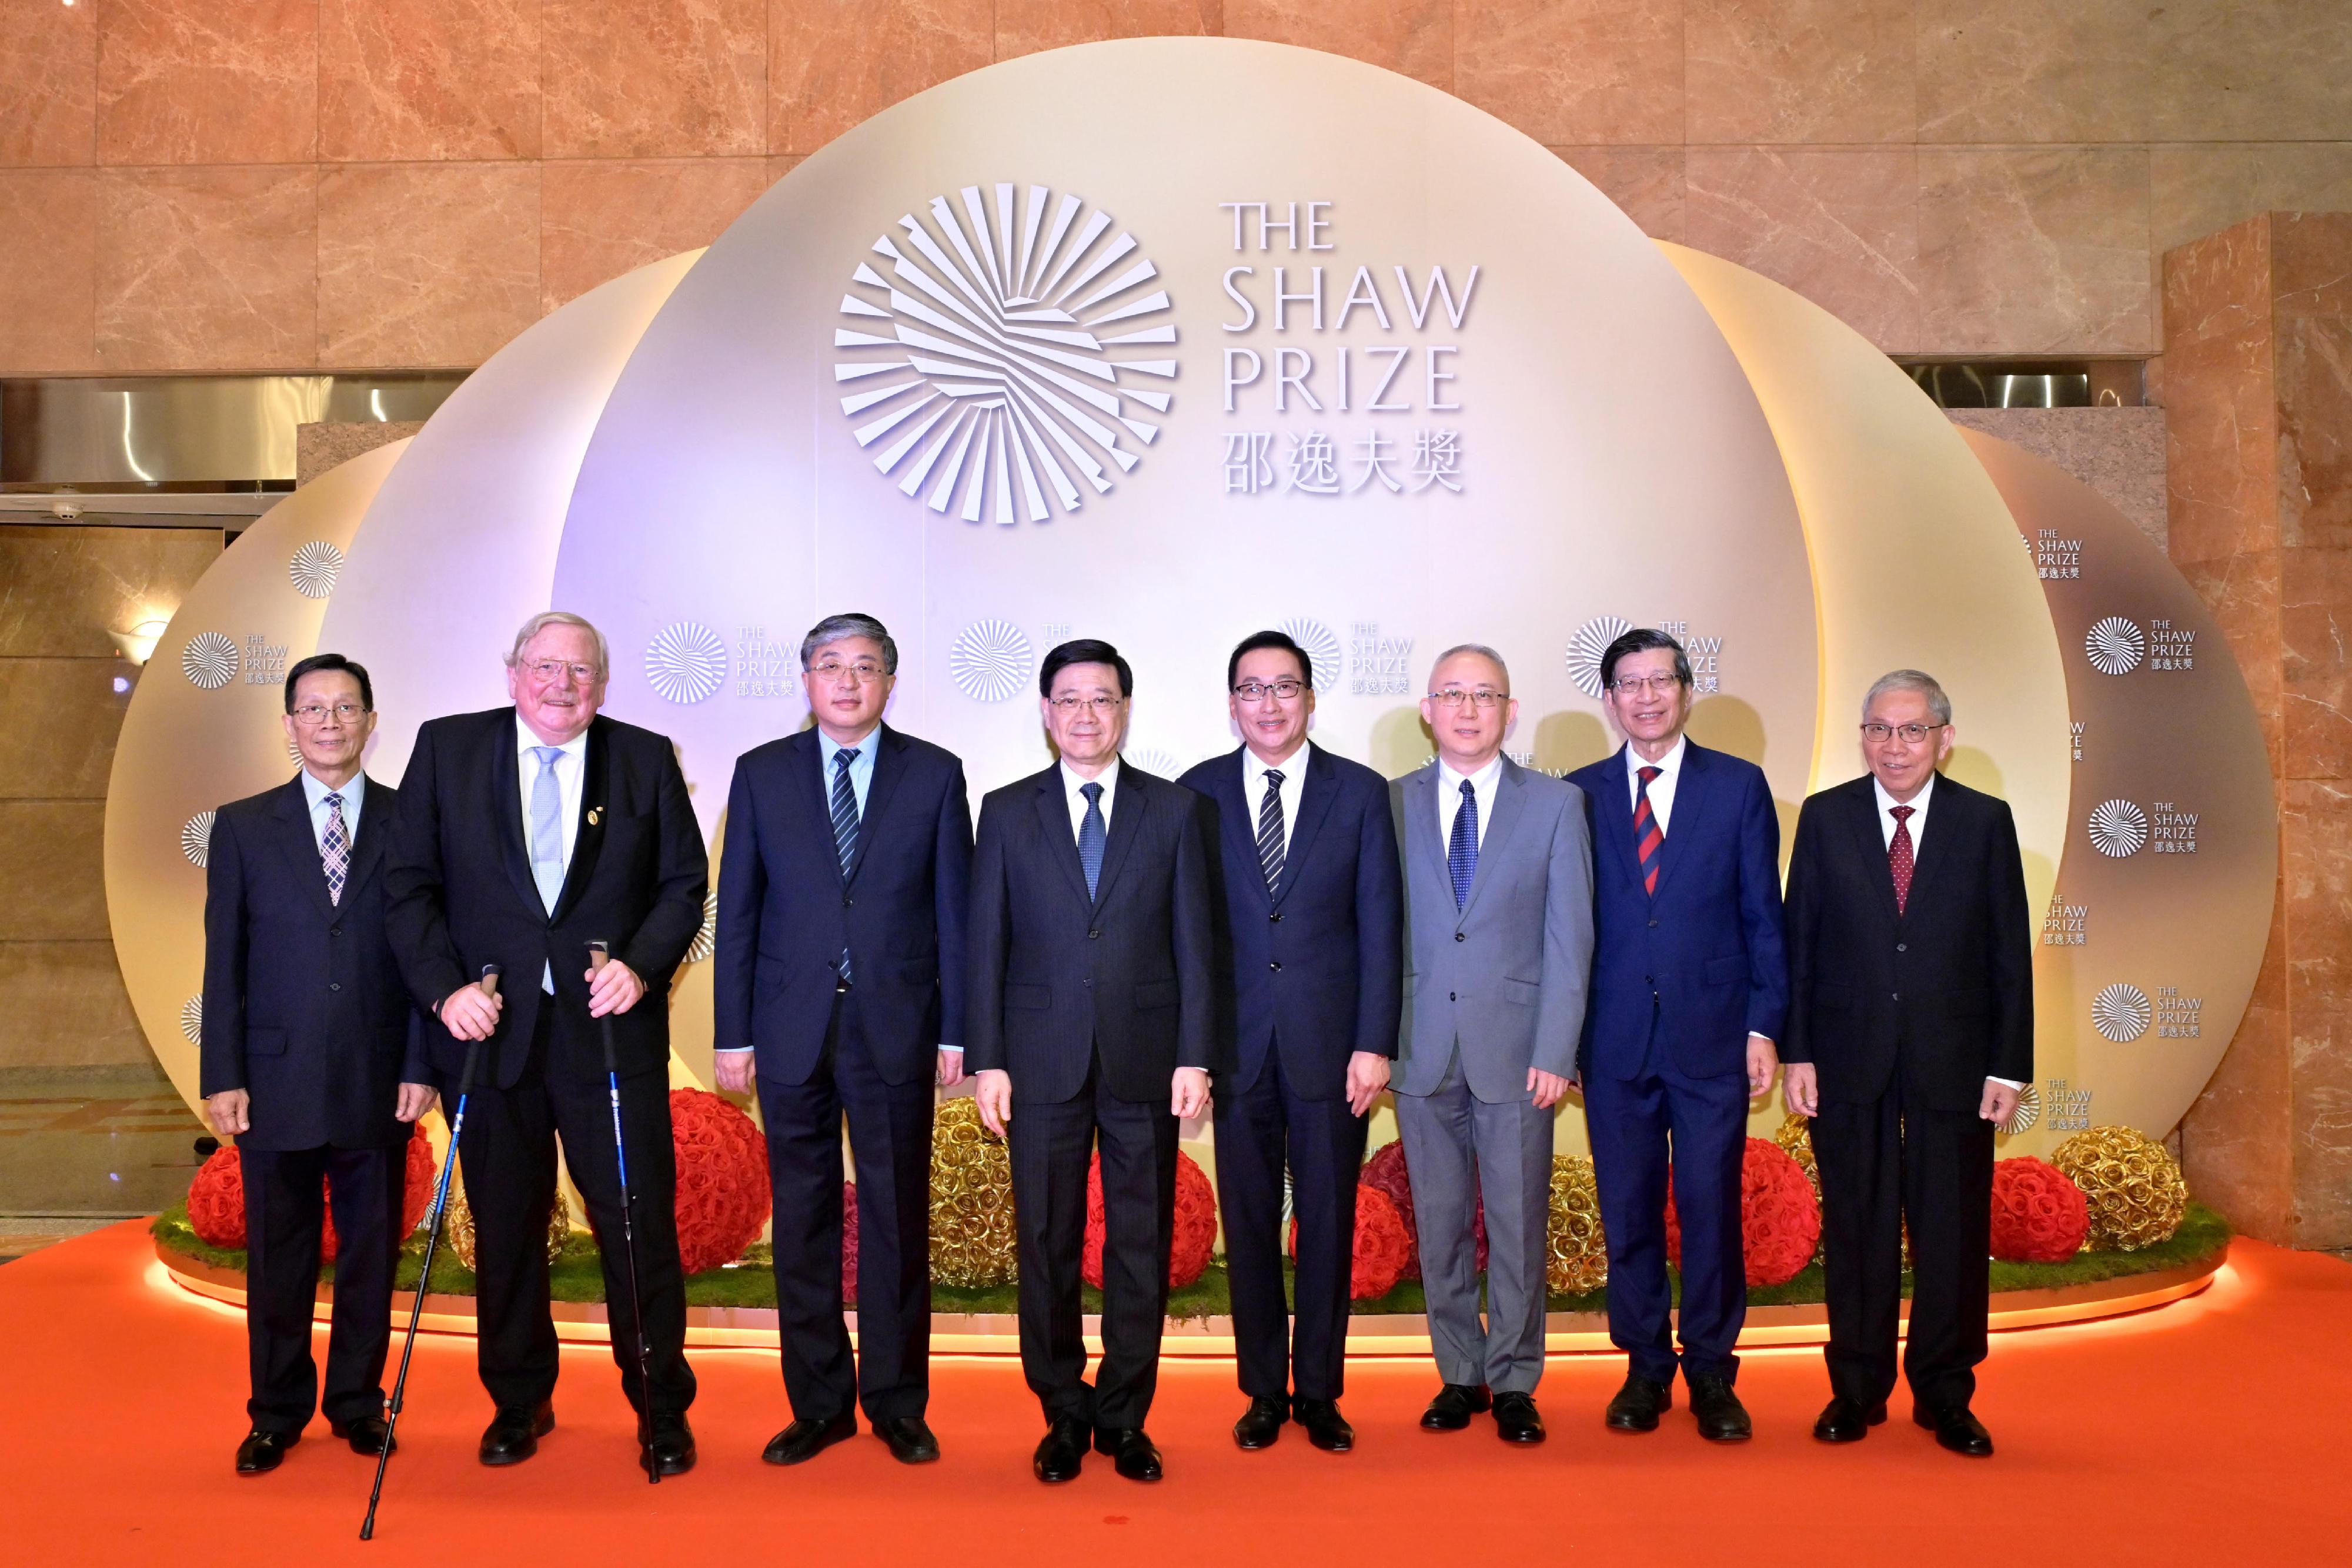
(1094, 935)
(1452, 997)
(1275, 965)
(1648, 981)
(1901, 948)
(1898, 995)
(334, 985)
(334, 931)
(1654, 926)
(844, 901)
(1275, 918)
(1461, 937)
(1087, 984)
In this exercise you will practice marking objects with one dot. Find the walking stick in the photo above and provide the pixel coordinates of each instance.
(489, 983)
(598, 954)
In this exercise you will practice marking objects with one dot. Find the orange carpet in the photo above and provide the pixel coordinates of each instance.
(2212, 1431)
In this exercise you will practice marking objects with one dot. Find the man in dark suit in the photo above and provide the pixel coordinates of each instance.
(1091, 1019)
(310, 1060)
(1312, 916)
(1910, 1037)
(842, 893)
(1690, 983)
(525, 833)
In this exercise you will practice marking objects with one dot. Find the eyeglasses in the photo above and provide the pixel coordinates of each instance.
(865, 672)
(1481, 699)
(1912, 734)
(548, 669)
(315, 714)
(1099, 707)
(1635, 686)
(1258, 691)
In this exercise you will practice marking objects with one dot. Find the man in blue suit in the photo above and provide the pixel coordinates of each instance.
(1689, 987)
(1312, 914)
(839, 986)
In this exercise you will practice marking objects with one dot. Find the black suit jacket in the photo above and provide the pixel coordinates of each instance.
(459, 890)
(303, 1005)
(787, 910)
(1315, 964)
(1058, 982)
(1942, 993)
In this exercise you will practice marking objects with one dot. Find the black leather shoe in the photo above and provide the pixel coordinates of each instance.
(1843, 1421)
(1452, 1409)
(1261, 1424)
(665, 1444)
(366, 1434)
(260, 1452)
(1132, 1452)
(1955, 1429)
(1639, 1404)
(909, 1439)
(804, 1440)
(1062, 1451)
(1722, 1418)
(1516, 1420)
(1325, 1427)
(514, 1432)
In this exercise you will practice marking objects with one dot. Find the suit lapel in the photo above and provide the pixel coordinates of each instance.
(367, 852)
(1127, 808)
(1054, 820)
(1315, 793)
(1928, 855)
(806, 763)
(1234, 817)
(506, 800)
(588, 841)
(1616, 813)
(1872, 846)
(301, 846)
(1421, 823)
(1508, 808)
(890, 762)
(1691, 797)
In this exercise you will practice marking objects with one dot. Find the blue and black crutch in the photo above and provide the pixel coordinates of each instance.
(599, 953)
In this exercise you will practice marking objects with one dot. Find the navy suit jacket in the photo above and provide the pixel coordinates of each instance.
(1316, 966)
(303, 1005)
(787, 910)
(1705, 961)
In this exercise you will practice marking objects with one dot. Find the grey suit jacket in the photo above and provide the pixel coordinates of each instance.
(1504, 977)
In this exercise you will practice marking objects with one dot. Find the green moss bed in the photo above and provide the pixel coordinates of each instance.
(577, 1275)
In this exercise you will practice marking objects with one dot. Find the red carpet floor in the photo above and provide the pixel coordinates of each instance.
(2212, 1431)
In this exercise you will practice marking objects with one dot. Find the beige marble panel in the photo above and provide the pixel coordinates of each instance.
(202, 269)
(428, 78)
(207, 81)
(63, 589)
(2194, 191)
(2311, 317)
(2244, 592)
(1412, 37)
(2031, 70)
(53, 872)
(2315, 638)
(2221, 417)
(1839, 227)
(49, 83)
(1025, 27)
(328, 445)
(1648, 182)
(426, 264)
(2236, 1143)
(653, 79)
(66, 1007)
(1798, 70)
(2035, 251)
(834, 63)
(2250, 70)
(603, 218)
(48, 304)
(2119, 451)
(60, 716)
(1574, 72)
(2316, 833)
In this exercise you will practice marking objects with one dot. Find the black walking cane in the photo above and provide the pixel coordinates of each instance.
(598, 953)
(489, 983)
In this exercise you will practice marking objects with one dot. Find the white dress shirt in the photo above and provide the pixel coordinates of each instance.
(1293, 769)
(1482, 785)
(1916, 823)
(1662, 787)
(1108, 779)
(571, 778)
(354, 793)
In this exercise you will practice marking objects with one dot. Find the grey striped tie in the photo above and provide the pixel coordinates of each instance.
(1269, 828)
(844, 823)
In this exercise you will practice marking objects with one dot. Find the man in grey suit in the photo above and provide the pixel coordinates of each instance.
(1499, 946)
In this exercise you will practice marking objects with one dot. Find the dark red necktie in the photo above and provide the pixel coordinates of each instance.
(1649, 839)
(1898, 854)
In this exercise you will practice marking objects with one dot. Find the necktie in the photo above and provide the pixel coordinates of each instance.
(335, 849)
(1269, 828)
(547, 827)
(844, 823)
(1649, 839)
(1462, 852)
(1092, 836)
(1898, 855)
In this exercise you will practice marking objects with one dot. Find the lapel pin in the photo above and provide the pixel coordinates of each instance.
(596, 813)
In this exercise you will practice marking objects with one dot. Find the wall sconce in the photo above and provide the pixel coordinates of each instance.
(138, 644)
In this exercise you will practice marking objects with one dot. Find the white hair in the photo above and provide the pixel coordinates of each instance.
(546, 618)
(1939, 706)
(1480, 649)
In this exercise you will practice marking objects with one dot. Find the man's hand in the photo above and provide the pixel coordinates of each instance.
(416, 1099)
(1368, 1074)
(951, 1071)
(229, 1111)
(2000, 1103)
(1187, 1092)
(1763, 1062)
(1801, 1088)
(1547, 1087)
(734, 1070)
(471, 1012)
(993, 1089)
(615, 988)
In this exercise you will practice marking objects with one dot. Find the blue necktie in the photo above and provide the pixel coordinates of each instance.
(845, 824)
(547, 827)
(1092, 836)
(1461, 853)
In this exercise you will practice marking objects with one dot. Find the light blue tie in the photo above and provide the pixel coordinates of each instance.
(844, 825)
(547, 827)
(1092, 837)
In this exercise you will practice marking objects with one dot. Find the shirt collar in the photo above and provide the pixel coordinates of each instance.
(1289, 767)
(527, 741)
(864, 745)
(1669, 766)
(316, 793)
(1918, 803)
(1108, 779)
(1452, 781)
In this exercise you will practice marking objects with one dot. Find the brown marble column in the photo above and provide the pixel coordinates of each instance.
(2258, 389)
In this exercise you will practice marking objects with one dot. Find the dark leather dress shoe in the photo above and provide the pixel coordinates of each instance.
(1955, 1429)
(1722, 1418)
(1132, 1452)
(804, 1440)
(1845, 1421)
(366, 1434)
(1639, 1404)
(514, 1432)
(909, 1439)
(260, 1452)
(1325, 1427)
(1452, 1409)
(1062, 1451)
(1516, 1420)
(666, 1444)
(1261, 1424)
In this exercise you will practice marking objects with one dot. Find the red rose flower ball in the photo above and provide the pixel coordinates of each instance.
(216, 1200)
(1780, 1219)
(1380, 1246)
(848, 1243)
(415, 1193)
(722, 1179)
(2039, 1215)
(1191, 1240)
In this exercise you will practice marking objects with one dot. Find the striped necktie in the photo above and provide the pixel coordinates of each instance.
(335, 849)
(1269, 828)
(1649, 839)
(845, 824)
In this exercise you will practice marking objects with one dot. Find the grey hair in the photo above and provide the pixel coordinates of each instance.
(1480, 649)
(1939, 706)
(833, 628)
(546, 618)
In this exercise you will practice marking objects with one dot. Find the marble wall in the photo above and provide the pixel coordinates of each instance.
(277, 185)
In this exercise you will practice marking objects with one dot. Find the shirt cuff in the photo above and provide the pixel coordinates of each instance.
(957, 1049)
(1753, 1034)
(2011, 1082)
(730, 1049)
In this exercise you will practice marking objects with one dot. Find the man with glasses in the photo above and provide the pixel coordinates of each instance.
(1498, 942)
(1312, 916)
(1090, 1022)
(1689, 987)
(1910, 1037)
(524, 833)
(311, 1062)
(839, 989)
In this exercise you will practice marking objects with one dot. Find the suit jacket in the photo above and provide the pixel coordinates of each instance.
(1059, 983)
(459, 890)
(787, 910)
(1942, 993)
(1504, 977)
(303, 1005)
(1702, 960)
(1315, 966)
